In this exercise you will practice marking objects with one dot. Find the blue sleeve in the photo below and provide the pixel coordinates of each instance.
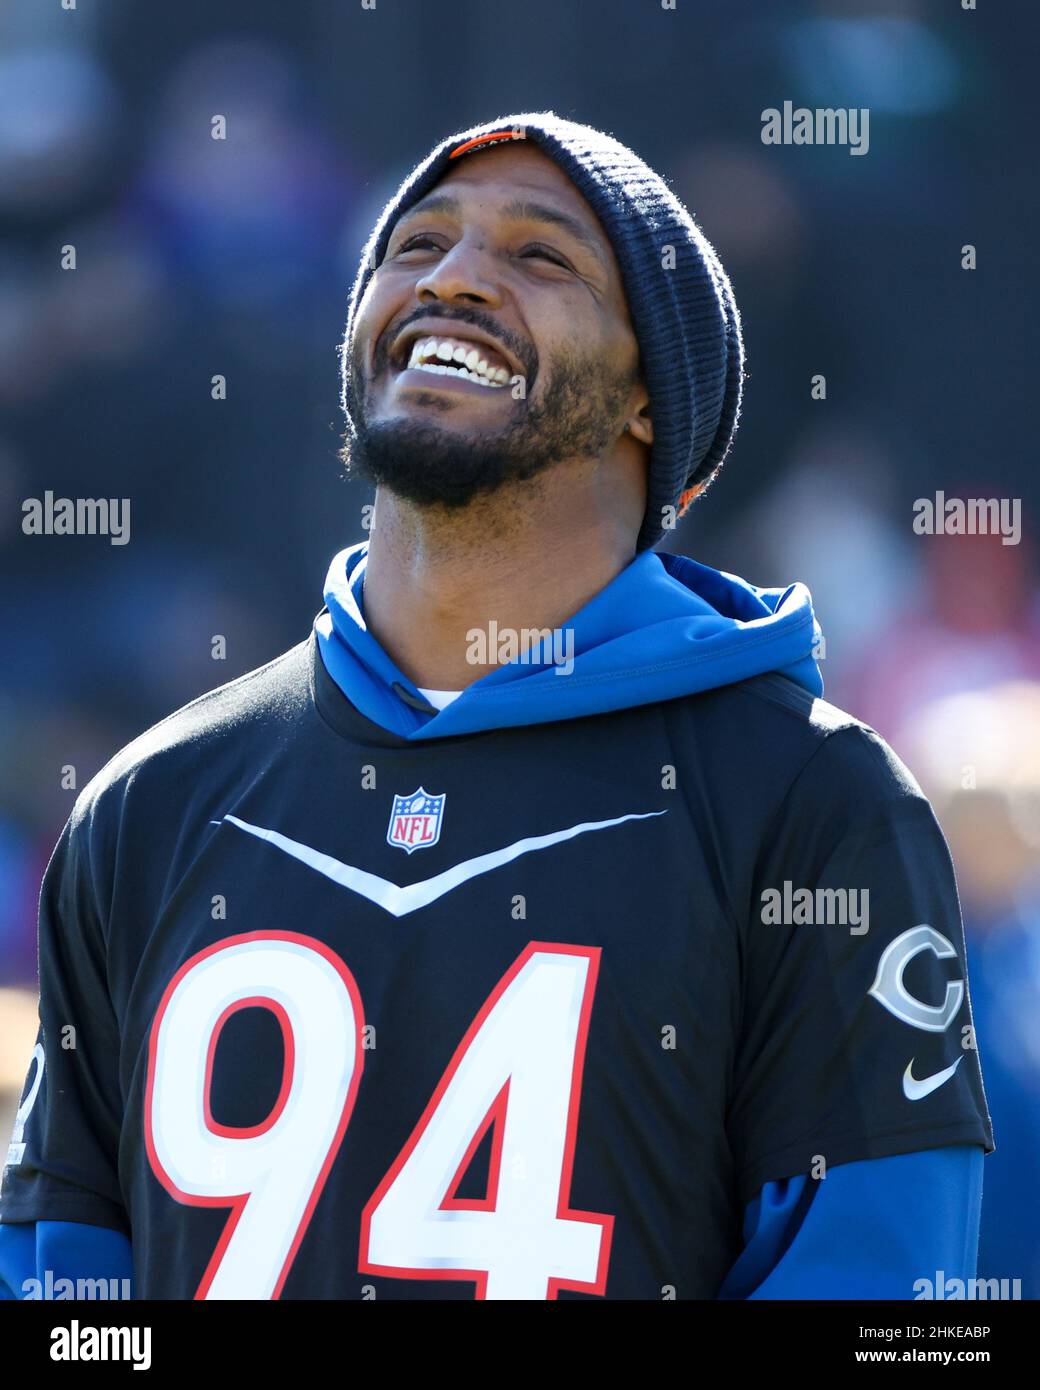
(870, 1229)
(35, 1256)
(17, 1258)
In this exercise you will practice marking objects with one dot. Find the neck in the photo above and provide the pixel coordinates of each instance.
(435, 575)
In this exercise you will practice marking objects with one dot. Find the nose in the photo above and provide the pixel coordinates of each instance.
(463, 276)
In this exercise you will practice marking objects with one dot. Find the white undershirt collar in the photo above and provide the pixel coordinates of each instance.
(439, 699)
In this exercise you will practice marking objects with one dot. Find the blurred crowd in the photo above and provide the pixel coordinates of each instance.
(196, 257)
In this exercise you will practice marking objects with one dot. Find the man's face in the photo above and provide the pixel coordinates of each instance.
(501, 272)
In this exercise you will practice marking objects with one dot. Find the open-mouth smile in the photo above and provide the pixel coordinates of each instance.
(451, 355)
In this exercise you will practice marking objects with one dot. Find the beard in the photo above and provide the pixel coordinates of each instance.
(576, 417)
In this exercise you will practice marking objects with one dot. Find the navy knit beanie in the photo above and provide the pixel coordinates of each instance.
(681, 303)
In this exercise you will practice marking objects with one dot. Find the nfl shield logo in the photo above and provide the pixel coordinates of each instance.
(415, 821)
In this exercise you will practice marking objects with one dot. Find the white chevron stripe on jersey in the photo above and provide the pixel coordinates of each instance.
(398, 900)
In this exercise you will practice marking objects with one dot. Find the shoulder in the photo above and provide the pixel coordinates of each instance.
(791, 750)
(837, 743)
(229, 726)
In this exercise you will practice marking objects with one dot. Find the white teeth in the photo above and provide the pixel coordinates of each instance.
(455, 358)
(442, 369)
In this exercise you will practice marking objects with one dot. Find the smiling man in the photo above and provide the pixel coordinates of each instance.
(493, 387)
(395, 969)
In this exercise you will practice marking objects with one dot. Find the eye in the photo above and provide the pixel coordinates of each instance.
(417, 243)
(544, 253)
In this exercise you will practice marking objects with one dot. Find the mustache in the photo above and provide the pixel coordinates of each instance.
(523, 351)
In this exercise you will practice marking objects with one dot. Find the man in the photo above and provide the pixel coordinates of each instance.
(533, 929)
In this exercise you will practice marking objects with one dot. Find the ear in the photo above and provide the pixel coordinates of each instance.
(640, 426)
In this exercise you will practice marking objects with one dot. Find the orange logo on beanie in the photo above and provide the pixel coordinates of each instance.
(515, 134)
(685, 498)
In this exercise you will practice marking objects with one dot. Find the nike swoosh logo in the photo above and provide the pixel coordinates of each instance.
(917, 1090)
(400, 901)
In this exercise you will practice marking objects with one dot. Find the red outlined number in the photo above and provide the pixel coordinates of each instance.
(516, 1073)
(518, 1068)
(272, 1174)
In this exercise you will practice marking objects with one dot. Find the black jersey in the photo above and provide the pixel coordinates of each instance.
(515, 1014)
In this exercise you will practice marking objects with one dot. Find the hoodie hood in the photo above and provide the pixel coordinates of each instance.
(666, 626)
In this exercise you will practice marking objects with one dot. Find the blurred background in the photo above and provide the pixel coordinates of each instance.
(197, 257)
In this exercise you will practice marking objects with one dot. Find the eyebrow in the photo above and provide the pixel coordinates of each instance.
(519, 210)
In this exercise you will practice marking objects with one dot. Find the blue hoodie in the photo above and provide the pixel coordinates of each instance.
(664, 627)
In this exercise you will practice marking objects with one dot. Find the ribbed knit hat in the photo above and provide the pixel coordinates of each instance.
(681, 303)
